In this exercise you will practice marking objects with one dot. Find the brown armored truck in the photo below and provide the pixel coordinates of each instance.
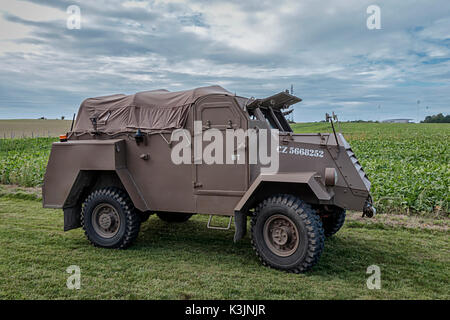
(121, 162)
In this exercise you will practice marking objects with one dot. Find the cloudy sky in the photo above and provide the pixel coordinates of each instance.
(253, 48)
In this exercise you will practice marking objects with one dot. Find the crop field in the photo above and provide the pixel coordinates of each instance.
(29, 128)
(23, 161)
(408, 165)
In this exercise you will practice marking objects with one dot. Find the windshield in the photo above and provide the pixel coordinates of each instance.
(274, 117)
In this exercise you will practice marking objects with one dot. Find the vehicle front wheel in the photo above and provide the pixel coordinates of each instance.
(109, 219)
(287, 234)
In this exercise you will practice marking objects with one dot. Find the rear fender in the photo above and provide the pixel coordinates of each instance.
(77, 167)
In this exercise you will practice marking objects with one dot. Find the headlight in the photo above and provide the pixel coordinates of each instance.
(331, 176)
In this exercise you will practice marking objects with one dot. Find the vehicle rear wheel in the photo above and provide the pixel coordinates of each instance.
(287, 234)
(109, 219)
(332, 222)
(174, 216)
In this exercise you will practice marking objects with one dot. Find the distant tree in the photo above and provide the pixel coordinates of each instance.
(437, 118)
(361, 121)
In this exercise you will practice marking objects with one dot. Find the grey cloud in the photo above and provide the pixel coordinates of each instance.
(323, 48)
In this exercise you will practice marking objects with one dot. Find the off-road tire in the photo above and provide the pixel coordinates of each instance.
(174, 217)
(130, 220)
(333, 222)
(309, 230)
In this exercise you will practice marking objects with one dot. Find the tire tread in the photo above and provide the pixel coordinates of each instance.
(133, 218)
(313, 226)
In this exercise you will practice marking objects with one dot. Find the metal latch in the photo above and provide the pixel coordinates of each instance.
(197, 184)
(207, 125)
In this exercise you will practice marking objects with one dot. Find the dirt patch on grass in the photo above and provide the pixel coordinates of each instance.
(17, 192)
(401, 220)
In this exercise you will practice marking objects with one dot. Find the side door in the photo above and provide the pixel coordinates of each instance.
(219, 186)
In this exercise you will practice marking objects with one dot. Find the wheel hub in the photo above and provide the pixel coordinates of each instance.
(281, 235)
(105, 220)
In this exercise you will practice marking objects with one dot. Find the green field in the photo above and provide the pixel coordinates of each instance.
(408, 164)
(189, 261)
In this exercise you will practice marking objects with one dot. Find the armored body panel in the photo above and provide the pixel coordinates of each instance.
(121, 147)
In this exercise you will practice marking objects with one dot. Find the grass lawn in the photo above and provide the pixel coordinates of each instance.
(188, 261)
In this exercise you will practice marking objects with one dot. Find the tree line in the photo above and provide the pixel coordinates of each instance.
(437, 118)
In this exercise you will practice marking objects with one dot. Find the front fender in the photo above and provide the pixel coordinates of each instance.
(305, 178)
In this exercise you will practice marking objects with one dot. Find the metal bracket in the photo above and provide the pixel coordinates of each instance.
(329, 118)
(322, 140)
(287, 139)
(207, 125)
(218, 228)
(169, 143)
(196, 184)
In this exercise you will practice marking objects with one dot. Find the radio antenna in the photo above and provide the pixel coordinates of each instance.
(73, 120)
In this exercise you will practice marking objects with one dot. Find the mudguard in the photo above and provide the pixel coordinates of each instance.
(71, 162)
(306, 178)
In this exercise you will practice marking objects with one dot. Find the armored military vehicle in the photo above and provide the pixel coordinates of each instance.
(116, 167)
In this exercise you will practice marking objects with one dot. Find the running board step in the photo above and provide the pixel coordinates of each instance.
(209, 226)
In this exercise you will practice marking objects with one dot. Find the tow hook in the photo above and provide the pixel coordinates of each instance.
(369, 210)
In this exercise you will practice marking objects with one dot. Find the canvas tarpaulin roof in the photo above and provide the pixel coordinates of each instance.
(150, 111)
